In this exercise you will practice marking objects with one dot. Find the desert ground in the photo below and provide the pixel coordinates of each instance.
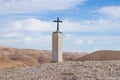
(81, 70)
(29, 64)
(13, 57)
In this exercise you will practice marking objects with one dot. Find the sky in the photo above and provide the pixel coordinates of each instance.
(88, 25)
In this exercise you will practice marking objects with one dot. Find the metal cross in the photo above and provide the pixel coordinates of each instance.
(58, 21)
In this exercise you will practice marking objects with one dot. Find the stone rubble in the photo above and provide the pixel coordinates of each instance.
(79, 70)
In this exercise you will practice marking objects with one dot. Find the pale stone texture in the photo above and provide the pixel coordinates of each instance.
(81, 70)
(57, 55)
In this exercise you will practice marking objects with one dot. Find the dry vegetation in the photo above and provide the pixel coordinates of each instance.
(103, 55)
(99, 65)
(12, 57)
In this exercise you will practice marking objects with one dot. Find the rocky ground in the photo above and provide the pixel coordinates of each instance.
(82, 70)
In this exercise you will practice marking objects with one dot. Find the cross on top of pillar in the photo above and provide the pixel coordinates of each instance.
(58, 21)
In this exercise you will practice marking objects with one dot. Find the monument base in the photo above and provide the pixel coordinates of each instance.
(56, 61)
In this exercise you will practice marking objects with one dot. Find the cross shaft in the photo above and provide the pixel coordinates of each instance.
(58, 21)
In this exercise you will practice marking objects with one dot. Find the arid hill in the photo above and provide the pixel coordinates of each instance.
(13, 57)
(101, 56)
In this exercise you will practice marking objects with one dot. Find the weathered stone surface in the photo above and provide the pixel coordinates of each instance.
(83, 70)
(57, 54)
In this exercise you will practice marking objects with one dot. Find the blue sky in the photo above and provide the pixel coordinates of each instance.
(88, 25)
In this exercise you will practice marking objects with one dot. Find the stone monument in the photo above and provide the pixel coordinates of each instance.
(57, 54)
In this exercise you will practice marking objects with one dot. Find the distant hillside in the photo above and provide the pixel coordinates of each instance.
(101, 56)
(28, 57)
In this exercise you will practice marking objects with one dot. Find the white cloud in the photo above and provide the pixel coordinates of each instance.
(90, 41)
(17, 25)
(100, 25)
(32, 24)
(28, 39)
(25, 6)
(79, 42)
(36, 25)
(113, 11)
(10, 35)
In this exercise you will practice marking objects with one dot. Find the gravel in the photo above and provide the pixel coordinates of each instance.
(81, 70)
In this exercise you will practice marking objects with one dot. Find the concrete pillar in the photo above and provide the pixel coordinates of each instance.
(57, 54)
